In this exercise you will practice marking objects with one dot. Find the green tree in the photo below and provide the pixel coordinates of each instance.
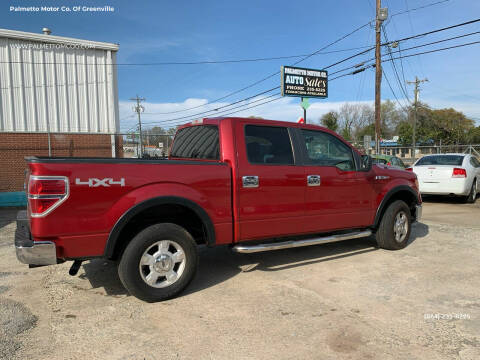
(405, 133)
(446, 125)
(367, 130)
(473, 136)
(451, 126)
(330, 120)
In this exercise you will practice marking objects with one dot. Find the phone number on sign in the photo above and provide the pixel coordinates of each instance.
(448, 316)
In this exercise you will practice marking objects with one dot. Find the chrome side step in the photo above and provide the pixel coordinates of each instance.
(299, 243)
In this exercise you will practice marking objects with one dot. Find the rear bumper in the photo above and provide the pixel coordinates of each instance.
(451, 186)
(32, 252)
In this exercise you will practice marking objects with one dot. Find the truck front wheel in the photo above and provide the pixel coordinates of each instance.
(159, 262)
(395, 226)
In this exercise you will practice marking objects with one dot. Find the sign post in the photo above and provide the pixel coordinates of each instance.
(304, 83)
(305, 105)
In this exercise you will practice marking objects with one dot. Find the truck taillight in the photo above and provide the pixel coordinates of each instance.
(45, 193)
(459, 173)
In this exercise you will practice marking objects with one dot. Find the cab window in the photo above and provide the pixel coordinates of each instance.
(323, 149)
(197, 142)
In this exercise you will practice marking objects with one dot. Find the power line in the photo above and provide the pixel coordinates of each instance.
(200, 62)
(195, 116)
(436, 50)
(436, 30)
(406, 56)
(406, 49)
(393, 92)
(273, 74)
(332, 79)
(334, 64)
(221, 107)
(224, 113)
(402, 88)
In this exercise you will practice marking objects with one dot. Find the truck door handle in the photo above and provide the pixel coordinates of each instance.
(313, 180)
(250, 181)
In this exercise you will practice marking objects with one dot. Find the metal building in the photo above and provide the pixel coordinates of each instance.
(58, 97)
(57, 84)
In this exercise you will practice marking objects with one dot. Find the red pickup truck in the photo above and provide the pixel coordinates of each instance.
(253, 184)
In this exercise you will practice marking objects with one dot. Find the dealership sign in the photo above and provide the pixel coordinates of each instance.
(304, 82)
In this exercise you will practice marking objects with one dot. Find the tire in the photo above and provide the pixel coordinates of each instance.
(472, 196)
(159, 262)
(391, 235)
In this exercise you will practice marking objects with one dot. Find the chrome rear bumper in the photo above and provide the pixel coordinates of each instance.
(32, 252)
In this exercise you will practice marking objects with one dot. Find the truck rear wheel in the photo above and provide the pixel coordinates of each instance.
(159, 262)
(395, 226)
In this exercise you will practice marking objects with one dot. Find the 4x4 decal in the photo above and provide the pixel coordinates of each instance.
(94, 182)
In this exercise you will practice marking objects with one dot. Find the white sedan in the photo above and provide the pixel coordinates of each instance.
(448, 174)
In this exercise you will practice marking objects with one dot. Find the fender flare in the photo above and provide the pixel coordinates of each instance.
(162, 200)
(387, 197)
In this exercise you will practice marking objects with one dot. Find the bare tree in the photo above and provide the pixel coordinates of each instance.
(353, 118)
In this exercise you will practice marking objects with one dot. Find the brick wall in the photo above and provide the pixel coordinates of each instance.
(15, 146)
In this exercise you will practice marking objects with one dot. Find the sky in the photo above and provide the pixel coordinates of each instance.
(189, 31)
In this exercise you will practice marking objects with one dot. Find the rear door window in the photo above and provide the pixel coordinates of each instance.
(197, 142)
(268, 145)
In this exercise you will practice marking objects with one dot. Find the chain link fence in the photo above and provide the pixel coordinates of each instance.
(406, 152)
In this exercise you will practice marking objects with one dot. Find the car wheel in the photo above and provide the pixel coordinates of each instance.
(473, 193)
(394, 230)
(159, 262)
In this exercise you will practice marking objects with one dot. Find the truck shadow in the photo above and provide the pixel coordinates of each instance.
(103, 273)
(220, 264)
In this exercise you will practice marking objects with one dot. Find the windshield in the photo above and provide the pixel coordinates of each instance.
(455, 160)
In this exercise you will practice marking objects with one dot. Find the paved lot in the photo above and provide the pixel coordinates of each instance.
(347, 300)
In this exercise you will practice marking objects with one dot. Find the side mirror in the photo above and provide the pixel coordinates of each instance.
(366, 163)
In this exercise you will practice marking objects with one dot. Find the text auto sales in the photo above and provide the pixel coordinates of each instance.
(304, 82)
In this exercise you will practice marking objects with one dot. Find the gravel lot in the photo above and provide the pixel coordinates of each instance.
(347, 300)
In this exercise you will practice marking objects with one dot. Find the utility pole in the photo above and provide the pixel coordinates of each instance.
(378, 76)
(139, 109)
(416, 90)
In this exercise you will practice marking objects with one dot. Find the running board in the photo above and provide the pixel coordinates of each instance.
(299, 243)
